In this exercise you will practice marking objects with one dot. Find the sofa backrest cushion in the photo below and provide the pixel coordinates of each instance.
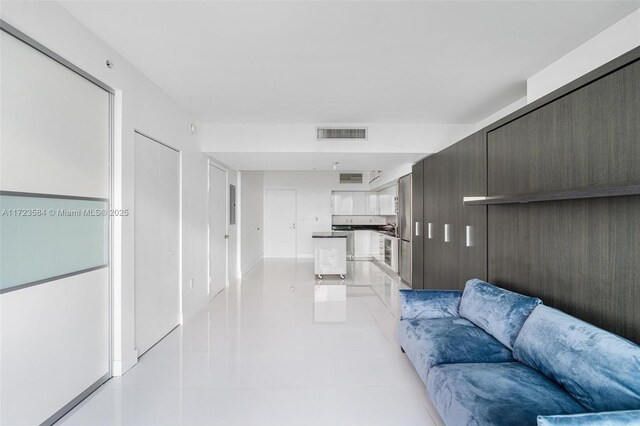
(497, 311)
(424, 304)
(599, 369)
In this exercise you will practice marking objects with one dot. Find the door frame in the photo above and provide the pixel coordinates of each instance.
(224, 169)
(180, 248)
(295, 209)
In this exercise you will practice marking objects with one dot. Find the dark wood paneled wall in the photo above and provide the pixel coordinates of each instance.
(590, 137)
(581, 256)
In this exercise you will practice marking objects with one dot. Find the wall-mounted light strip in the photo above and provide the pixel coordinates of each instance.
(469, 236)
(447, 233)
(430, 230)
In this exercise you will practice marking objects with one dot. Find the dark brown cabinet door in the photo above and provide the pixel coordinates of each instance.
(417, 226)
(588, 138)
(448, 232)
(471, 166)
(432, 250)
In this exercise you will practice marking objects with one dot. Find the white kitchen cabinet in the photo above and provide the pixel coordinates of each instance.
(376, 243)
(373, 243)
(371, 207)
(362, 244)
(387, 201)
(342, 203)
(358, 203)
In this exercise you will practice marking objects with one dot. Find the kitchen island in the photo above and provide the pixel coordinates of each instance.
(330, 253)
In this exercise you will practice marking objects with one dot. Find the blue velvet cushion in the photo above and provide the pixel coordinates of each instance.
(499, 312)
(601, 370)
(506, 394)
(430, 342)
(611, 418)
(429, 303)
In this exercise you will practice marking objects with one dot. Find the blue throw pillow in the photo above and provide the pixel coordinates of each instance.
(599, 369)
(497, 311)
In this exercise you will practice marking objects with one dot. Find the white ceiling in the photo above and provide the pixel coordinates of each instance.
(300, 161)
(345, 61)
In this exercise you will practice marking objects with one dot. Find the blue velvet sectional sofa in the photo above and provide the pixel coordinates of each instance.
(489, 356)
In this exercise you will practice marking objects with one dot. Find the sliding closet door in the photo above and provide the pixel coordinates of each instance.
(54, 235)
(157, 241)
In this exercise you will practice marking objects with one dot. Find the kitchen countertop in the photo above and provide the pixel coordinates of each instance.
(329, 235)
(366, 228)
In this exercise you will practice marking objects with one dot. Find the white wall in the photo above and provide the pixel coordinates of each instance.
(502, 113)
(233, 260)
(313, 191)
(389, 176)
(141, 105)
(254, 137)
(251, 216)
(607, 45)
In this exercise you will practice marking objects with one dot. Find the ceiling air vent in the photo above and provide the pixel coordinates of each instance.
(350, 177)
(323, 133)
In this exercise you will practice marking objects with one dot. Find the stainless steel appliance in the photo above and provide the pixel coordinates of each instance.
(404, 227)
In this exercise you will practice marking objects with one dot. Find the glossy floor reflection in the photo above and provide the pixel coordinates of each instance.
(278, 348)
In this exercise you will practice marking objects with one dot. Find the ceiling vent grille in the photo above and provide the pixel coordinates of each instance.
(324, 133)
(350, 177)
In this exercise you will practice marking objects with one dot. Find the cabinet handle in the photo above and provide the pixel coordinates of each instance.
(447, 233)
(430, 230)
(468, 236)
(417, 229)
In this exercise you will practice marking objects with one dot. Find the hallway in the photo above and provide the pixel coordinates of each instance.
(256, 356)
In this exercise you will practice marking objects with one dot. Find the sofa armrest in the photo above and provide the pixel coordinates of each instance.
(611, 418)
(424, 304)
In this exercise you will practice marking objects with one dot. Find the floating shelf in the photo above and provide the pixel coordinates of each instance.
(572, 194)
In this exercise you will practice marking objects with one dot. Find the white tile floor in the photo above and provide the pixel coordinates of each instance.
(277, 348)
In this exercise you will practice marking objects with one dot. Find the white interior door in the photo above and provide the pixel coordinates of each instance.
(280, 223)
(54, 141)
(217, 230)
(157, 241)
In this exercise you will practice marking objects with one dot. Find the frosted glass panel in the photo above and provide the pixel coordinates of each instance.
(43, 237)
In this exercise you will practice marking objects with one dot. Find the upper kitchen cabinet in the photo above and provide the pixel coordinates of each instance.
(358, 203)
(371, 206)
(387, 201)
(342, 203)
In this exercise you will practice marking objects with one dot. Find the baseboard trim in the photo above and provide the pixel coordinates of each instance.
(75, 401)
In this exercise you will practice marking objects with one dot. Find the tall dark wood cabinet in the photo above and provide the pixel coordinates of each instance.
(418, 226)
(455, 235)
(471, 166)
(430, 200)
